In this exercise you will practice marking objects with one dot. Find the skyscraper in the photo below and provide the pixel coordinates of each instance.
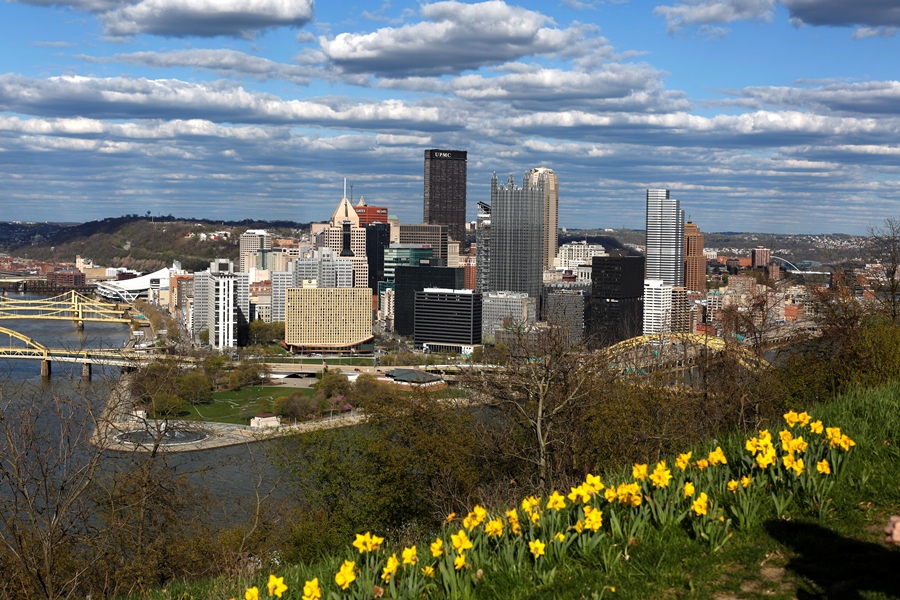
(517, 236)
(483, 248)
(617, 288)
(221, 303)
(253, 241)
(445, 190)
(665, 238)
(657, 306)
(551, 211)
(694, 260)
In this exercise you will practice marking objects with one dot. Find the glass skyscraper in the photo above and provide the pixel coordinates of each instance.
(665, 238)
(445, 191)
(517, 236)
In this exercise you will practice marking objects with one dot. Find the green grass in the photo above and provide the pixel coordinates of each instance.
(238, 407)
(800, 556)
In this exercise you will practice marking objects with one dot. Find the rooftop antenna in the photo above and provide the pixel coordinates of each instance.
(345, 187)
(351, 193)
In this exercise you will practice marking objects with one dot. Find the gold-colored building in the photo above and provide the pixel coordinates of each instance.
(328, 319)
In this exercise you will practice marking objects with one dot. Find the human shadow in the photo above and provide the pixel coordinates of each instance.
(840, 567)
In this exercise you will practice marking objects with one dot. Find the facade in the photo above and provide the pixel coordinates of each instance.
(370, 214)
(694, 259)
(657, 306)
(616, 306)
(551, 211)
(665, 238)
(483, 248)
(254, 240)
(432, 236)
(70, 278)
(221, 303)
(445, 191)
(761, 257)
(328, 319)
(326, 268)
(408, 281)
(447, 320)
(378, 237)
(573, 254)
(281, 281)
(405, 255)
(566, 307)
(502, 309)
(517, 236)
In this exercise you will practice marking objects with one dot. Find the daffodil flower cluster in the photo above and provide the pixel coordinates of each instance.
(597, 521)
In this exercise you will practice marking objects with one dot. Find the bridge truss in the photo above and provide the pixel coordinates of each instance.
(671, 351)
(71, 306)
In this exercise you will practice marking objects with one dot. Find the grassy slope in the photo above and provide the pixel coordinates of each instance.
(800, 557)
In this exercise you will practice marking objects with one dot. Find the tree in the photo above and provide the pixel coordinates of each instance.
(884, 249)
(540, 390)
(194, 387)
(333, 384)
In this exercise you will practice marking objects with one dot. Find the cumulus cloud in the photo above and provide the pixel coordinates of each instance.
(864, 99)
(221, 61)
(182, 18)
(454, 37)
(122, 97)
(706, 12)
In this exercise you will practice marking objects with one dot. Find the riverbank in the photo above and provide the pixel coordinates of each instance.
(118, 419)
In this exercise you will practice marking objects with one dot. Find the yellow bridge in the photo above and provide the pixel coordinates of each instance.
(71, 306)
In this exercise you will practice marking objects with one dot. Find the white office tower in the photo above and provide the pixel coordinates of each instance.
(665, 238)
(657, 306)
(221, 303)
(551, 211)
(256, 242)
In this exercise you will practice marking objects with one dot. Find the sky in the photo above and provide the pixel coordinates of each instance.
(758, 115)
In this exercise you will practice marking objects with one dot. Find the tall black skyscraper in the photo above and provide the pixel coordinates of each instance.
(445, 190)
(617, 309)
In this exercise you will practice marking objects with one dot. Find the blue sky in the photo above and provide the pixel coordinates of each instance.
(759, 115)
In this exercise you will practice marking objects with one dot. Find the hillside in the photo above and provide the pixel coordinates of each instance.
(144, 245)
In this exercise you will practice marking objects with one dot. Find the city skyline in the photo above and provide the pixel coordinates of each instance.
(759, 115)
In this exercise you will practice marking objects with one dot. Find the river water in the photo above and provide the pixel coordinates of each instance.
(232, 472)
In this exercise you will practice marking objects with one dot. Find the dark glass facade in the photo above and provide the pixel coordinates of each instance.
(409, 280)
(616, 307)
(378, 237)
(445, 190)
(446, 316)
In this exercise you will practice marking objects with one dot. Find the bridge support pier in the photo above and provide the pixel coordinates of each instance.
(79, 325)
(86, 371)
(45, 369)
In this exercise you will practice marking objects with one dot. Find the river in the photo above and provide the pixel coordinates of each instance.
(230, 472)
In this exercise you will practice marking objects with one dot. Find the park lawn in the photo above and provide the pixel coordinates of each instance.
(239, 406)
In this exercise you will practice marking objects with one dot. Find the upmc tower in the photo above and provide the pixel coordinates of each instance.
(445, 190)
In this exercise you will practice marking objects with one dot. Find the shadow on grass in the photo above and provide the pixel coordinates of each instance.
(837, 566)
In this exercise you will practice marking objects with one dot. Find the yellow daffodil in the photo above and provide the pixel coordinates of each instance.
(409, 556)
(252, 593)
(513, 517)
(816, 427)
(460, 561)
(717, 457)
(610, 495)
(803, 418)
(798, 467)
(450, 517)
(629, 494)
(559, 537)
(766, 458)
(791, 418)
(474, 518)
(556, 501)
(683, 461)
(733, 486)
(593, 519)
(580, 494)
(494, 527)
(390, 568)
(593, 483)
(346, 575)
(785, 436)
(661, 475)
(823, 467)
(428, 571)
(367, 542)
(702, 464)
(460, 540)
(276, 586)
(537, 548)
(688, 489)
(700, 505)
(639, 471)
(578, 526)
(311, 590)
(746, 481)
(437, 548)
(531, 504)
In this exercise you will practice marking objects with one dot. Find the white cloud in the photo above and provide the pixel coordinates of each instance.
(454, 37)
(705, 12)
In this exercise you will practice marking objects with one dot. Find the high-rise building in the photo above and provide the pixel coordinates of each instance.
(328, 319)
(432, 236)
(447, 320)
(665, 238)
(405, 255)
(378, 237)
(566, 308)
(409, 280)
(761, 257)
(483, 248)
(657, 306)
(254, 240)
(502, 309)
(694, 259)
(551, 211)
(370, 214)
(445, 190)
(616, 307)
(221, 303)
(573, 254)
(517, 236)
(326, 268)
(348, 239)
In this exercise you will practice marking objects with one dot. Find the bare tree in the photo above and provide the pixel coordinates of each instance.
(884, 249)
